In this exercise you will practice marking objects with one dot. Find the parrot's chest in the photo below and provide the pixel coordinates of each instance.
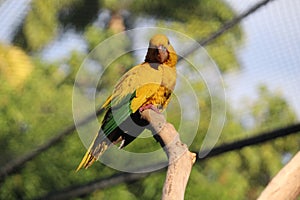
(161, 97)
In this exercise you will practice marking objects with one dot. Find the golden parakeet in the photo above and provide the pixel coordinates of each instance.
(146, 86)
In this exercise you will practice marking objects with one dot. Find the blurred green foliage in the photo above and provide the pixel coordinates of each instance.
(31, 113)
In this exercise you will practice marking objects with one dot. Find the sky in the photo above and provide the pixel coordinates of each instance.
(12, 13)
(270, 54)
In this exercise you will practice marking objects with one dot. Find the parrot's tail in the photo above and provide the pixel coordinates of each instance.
(93, 154)
(86, 161)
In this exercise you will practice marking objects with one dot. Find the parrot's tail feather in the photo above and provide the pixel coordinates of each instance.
(92, 155)
(86, 161)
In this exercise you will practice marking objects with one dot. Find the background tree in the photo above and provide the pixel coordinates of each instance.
(42, 105)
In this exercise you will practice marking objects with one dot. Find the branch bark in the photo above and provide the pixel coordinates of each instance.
(286, 184)
(181, 159)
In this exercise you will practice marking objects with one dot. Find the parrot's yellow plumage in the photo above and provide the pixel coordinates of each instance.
(145, 86)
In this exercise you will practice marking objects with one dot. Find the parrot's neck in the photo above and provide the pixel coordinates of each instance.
(172, 60)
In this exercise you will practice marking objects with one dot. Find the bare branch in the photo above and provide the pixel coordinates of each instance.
(181, 159)
(286, 184)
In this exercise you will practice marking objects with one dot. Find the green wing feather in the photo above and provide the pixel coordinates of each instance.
(138, 84)
(117, 115)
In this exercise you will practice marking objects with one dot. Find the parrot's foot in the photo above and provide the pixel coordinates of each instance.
(149, 106)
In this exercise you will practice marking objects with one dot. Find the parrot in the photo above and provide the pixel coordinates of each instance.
(148, 85)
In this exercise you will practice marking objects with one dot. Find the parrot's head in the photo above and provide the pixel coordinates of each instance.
(161, 51)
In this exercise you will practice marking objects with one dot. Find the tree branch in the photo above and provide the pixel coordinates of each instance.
(181, 159)
(286, 184)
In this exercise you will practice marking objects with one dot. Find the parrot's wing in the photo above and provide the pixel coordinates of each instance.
(142, 81)
(130, 93)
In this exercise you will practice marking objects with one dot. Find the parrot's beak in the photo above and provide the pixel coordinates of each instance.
(162, 54)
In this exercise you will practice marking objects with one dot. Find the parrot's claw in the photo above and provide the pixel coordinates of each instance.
(149, 106)
(122, 144)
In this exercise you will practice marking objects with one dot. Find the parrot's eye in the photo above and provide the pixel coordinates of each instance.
(161, 47)
(168, 42)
